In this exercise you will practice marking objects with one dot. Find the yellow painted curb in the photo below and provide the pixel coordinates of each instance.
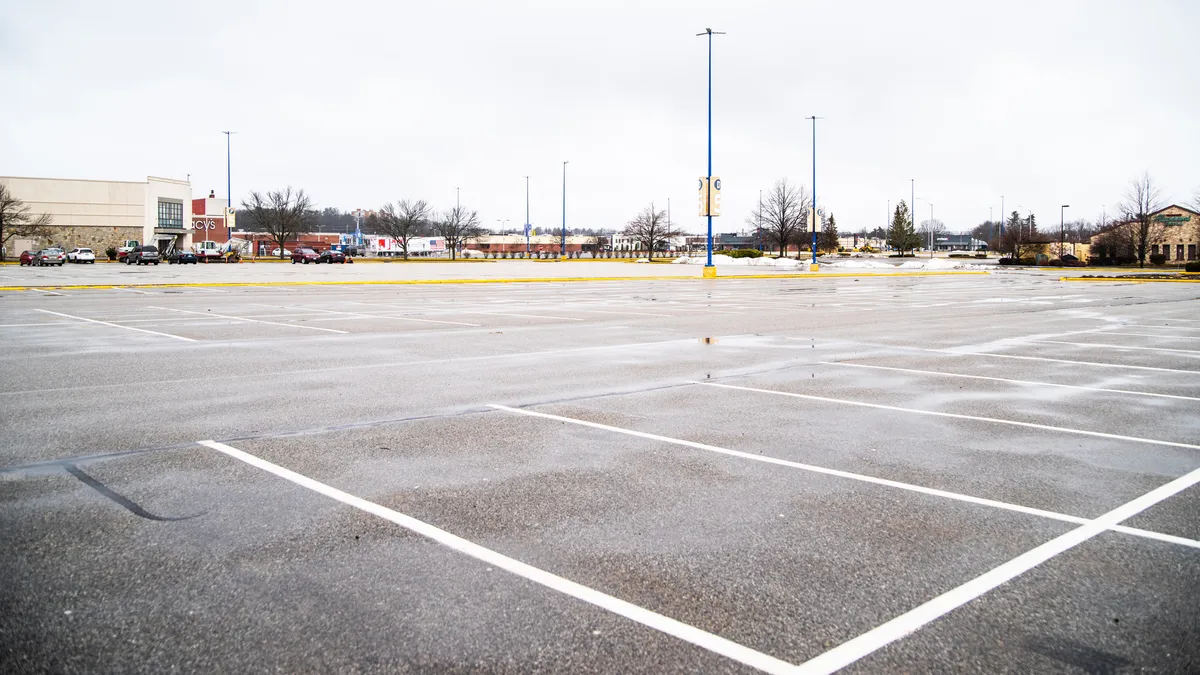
(426, 282)
(1132, 280)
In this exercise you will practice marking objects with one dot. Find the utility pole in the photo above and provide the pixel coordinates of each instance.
(912, 207)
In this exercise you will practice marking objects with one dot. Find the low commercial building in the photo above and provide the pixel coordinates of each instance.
(539, 243)
(1174, 234)
(100, 214)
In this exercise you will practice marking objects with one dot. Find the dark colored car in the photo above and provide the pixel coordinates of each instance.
(27, 258)
(331, 256)
(49, 256)
(143, 255)
(181, 258)
(1069, 260)
(304, 255)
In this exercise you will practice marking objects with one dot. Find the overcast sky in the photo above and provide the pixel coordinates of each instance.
(360, 103)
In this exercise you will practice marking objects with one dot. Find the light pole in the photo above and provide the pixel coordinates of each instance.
(709, 32)
(564, 222)
(912, 209)
(814, 119)
(457, 202)
(1002, 216)
(760, 237)
(930, 224)
(228, 185)
(1062, 229)
(526, 214)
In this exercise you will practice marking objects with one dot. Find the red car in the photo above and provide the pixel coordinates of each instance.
(27, 258)
(304, 255)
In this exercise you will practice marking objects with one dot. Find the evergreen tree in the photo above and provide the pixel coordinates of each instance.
(901, 236)
(828, 240)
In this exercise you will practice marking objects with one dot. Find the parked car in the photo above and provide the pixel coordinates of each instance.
(49, 256)
(181, 257)
(143, 255)
(27, 258)
(1069, 260)
(304, 255)
(331, 257)
(81, 255)
(275, 253)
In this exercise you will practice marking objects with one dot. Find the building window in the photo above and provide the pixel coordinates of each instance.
(1191, 251)
(170, 214)
(1179, 251)
(1154, 249)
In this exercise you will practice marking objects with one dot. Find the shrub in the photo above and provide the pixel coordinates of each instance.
(1193, 266)
(1157, 259)
(1007, 261)
(111, 252)
(744, 253)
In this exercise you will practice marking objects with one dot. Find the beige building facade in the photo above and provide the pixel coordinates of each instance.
(100, 213)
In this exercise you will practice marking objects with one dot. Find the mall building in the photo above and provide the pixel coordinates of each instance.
(98, 214)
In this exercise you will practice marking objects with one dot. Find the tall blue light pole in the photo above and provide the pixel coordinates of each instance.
(228, 186)
(814, 119)
(564, 225)
(709, 32)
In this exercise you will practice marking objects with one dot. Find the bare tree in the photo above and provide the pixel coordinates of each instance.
(458, 226)
(933, 227)
(282, 214)
(784, 210)
(404, 221)
(650, 229)
(1142, 199)
(17, 221)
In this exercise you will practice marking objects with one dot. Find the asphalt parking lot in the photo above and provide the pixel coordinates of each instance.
(968, 474)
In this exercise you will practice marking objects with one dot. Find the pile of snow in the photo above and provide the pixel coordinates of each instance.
(718, 259)
(860, 264)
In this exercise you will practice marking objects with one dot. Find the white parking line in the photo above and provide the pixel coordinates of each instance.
(957, 496)
(1097, 344)
(113, 325)
(529, 316)
(1004, 379)
(1167, 337)
(1099, 364)
(129, 290)
(974, 418)
(678, 629)
(908, 623)
(359, 315)
(242, 318)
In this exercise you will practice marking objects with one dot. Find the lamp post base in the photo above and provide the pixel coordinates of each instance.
(710, 271)
(814, 267)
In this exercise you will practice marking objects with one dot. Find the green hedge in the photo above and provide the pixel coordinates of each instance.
(744, 253)
(1192, 266)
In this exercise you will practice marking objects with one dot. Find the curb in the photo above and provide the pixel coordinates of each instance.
(425, 282)
(1132, 280)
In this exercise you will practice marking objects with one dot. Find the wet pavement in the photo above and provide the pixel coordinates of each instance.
(637, 476)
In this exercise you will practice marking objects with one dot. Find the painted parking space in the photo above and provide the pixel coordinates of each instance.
(772, 476)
